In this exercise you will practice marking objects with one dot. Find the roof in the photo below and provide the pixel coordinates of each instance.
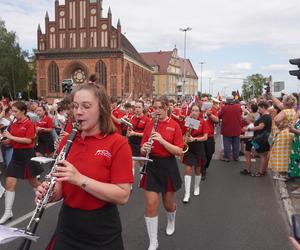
(162, 60)
(188, 67)
(128, 48)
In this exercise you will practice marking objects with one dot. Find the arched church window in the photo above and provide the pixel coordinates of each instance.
(127, 79)
(101, 73)
(53, 78)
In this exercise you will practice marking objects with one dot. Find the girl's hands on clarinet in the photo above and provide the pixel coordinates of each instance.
(157, 137)
(65, 171)
(42, 190)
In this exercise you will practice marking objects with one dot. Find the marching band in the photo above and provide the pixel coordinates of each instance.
(110, 134)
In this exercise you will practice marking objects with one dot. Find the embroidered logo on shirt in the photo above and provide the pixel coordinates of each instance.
(103, 153)
(170, 129)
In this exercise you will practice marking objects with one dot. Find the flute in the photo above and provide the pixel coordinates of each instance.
(41, 204)
(144, 169)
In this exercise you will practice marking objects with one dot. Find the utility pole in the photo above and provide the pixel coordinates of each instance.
(184, 55)
(201, 88)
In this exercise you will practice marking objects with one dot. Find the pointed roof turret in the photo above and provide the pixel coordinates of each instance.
(119, 23)
(39, 28)
(47, 16)
(109, 11)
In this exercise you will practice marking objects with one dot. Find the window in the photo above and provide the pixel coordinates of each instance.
(113, 42)
(82, 13)
(62, 23)
(127, 79)
(72, 14)
(93, 39)
(101, 73)
(93, 21)
(82, 39)
(104, 39)
(53, 78)
(73, 40)
(62, 40)
(42, 45)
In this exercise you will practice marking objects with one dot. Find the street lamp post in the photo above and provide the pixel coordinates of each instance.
(184, 55)
(201, 63)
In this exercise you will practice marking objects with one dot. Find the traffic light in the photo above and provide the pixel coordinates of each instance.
(267, 87)
(295, 72)
(67, 85)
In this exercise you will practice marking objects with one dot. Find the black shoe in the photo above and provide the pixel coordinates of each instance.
(245, 172)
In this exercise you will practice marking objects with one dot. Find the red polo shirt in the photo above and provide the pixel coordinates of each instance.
(106, 159)
(45, 122)
(118, 114)
(169, 130)
(210, 123)
(139, 123)
(25, 129)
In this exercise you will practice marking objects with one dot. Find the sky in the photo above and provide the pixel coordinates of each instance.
(233, 38)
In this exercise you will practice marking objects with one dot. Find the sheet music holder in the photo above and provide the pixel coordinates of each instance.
(8, 234)
(192, 123)
(42, 159)
(141, 158)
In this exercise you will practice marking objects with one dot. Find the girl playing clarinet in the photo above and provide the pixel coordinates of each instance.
(95, 177)
(162, 175)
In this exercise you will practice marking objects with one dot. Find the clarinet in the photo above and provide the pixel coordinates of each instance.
(144, 169)
(41, 204)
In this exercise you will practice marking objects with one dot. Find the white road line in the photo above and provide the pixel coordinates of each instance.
(26, 216)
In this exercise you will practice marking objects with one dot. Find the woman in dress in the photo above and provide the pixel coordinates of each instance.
(282, 140)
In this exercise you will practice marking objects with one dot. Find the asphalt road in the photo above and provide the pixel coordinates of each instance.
(233, 212)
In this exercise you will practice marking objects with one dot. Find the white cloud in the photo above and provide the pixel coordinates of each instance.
(235, 70)
(154, 25)
(276, 68)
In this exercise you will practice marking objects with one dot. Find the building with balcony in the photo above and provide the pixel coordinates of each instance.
(80, 42)
(168, 74)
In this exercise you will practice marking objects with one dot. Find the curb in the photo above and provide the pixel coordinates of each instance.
(285, 197)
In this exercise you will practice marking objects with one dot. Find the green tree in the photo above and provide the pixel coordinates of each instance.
(253, 86)
(15, 73)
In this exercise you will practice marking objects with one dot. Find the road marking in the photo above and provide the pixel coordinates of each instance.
(26, 216)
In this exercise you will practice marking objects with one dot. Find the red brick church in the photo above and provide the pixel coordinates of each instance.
(81, 42)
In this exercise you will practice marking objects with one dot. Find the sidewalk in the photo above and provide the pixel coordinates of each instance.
(290, 202)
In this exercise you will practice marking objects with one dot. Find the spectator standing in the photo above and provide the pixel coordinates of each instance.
(282, 141)
(231, 115)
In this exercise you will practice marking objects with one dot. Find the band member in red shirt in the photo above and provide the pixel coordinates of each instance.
(44, 127)
(211, 116)
(95, 177)
(127, 116)
(20, 136)
(195, 156)
(135, 134)
(116, 114)
(162, 175)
